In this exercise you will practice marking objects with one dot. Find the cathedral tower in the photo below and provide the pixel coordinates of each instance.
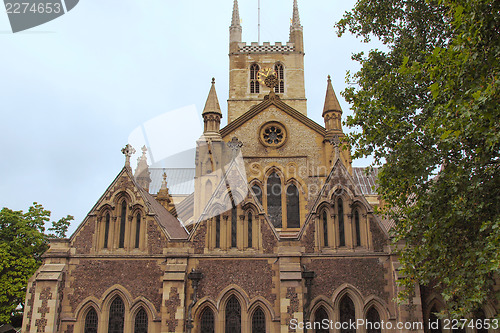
(245, 61)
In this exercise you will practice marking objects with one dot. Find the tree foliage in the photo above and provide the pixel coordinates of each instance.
(22, 242)
(428, 109)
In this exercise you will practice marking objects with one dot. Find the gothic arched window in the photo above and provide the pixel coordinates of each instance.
(141, 322)
(324, 218)
(137, 230)
(116, 316)
(123, 219)
(357, 228)
(433, 318)
(373, 321)
(234, 224)
(217, 231)
(292, 207)
(320, 317)
(340, 211)
(258, 192)
(258, 321)
(274, 199)
(347, 314)
(233, 315)
(106, 230)
(207, 322)
(91, 322)
(250, 230)
(479, 320)
(254, 84)
(278, 68)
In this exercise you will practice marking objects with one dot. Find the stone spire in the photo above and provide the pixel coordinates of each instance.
(235, 28)
(212, 113)
(142, 174)
(295, 17)
(296, 30)
(332, 112)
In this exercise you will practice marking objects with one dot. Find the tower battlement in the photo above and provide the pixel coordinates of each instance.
(266, 47)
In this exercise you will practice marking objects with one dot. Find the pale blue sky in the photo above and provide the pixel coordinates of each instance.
(73, 90)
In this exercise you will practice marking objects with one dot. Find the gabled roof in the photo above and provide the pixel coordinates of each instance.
(221, 190)
(269, 100)
(338, 166)
(168, 223)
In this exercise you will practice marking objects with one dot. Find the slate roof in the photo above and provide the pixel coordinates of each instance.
(181, 180)
(366, 183)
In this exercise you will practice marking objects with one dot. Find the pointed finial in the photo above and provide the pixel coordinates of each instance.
(212, 104)
(128, 151)
(164, 182)
(331, 101)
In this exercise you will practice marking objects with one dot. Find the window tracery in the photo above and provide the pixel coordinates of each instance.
(254, 84)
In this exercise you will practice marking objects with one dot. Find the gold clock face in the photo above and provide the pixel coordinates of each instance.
(263, 74)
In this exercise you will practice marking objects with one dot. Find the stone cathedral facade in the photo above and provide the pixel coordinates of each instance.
(280, 229)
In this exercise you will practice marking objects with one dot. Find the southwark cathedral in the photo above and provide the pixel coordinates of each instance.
(272, 231)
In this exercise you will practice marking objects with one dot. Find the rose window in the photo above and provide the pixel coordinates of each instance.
(273, 134)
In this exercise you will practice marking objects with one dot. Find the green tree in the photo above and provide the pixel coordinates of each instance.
(427, 106)
(22, 242)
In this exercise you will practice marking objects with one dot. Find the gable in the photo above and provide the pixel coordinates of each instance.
(303, 138)
(125, 186)
(272, 100)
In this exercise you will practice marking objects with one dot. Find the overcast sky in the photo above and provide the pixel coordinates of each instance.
(73, 90)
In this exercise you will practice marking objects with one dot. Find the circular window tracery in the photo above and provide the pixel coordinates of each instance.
(273, 134)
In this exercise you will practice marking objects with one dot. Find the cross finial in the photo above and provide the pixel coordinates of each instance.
(235, 145)
(128, 151)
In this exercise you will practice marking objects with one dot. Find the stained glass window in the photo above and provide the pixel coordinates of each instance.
(91, 321)
(122, 225)
(373, 321)
(433, 318)
(325, 228)
(292, 207)
(116, 316)
(258, 321)
(347, 314)
(207, 324)
(254, 84)
(278, 68)
(341, 222)
(141, 322)
(358, 229)
(234, 221)
(320, 317)
(137, 230)
(217, 231)
(274, 199)
(258, 192)
(233, 315)
(250, 229)
(479, 320)
(106, 231)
